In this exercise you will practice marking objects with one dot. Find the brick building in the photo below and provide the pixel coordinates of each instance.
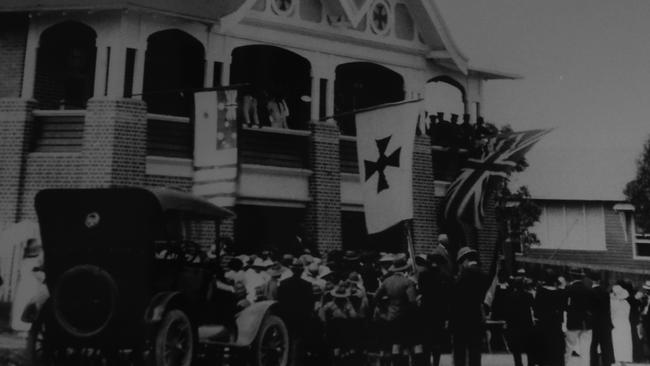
(98, 93)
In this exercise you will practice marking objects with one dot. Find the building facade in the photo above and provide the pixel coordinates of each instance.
(598, 235)
(100, 93)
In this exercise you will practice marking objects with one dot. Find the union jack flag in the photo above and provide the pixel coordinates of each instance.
(465, 198)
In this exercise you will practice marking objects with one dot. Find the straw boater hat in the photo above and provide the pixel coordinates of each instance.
(387, 258)
(351, 255)
(399, 265)
(466, 253)
(340, 292)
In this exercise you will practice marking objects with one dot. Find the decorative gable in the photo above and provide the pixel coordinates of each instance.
(352, 10)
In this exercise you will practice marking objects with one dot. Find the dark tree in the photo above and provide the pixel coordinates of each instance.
(637, 191)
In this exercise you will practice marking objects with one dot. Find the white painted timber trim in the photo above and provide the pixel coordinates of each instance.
(59, 112)
(167, 118)
(284, 131)
(169, 167)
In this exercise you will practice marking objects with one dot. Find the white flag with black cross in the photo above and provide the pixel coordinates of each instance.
(385, 139)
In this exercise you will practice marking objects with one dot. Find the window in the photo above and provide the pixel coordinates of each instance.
(571, 226)
(641, 243)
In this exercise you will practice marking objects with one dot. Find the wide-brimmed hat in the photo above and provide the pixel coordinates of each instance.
(466, 253)
(313, 269)
(351, 255)
(646, 285)
(387, 258)
(619, 292)
(258, 263)
(306, 259)
(340, 292)
(323, 272)
(399, 265)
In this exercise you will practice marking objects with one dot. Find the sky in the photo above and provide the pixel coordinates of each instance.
(586, 69)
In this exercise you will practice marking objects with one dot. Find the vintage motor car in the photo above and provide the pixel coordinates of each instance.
(129, 276)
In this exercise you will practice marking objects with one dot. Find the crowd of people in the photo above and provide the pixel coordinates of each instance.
(348, 308)
(574, 317)
(454, 134)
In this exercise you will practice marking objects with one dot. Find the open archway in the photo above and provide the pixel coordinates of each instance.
(274, 73)
(174, 67)
(65, 66)
(362, 85)
(445, 94)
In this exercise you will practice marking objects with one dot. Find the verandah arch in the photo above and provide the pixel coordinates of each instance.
(65, 66)
(275, 73)
(174, 65)
(362, 85)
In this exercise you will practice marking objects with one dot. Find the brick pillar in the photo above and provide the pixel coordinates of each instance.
(424, 211)
(15, 136)
(115, 143)
(13, 41)
(323, 217)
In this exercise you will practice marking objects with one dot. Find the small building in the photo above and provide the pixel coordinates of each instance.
(100, 93)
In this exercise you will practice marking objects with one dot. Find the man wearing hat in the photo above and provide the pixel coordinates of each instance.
(402, 303)
(296, 303)
(602, 323)
(578, 318)
(467, 319)
(435, 286)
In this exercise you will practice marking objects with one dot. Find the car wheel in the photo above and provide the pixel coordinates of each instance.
(174, 343)
(271, 345)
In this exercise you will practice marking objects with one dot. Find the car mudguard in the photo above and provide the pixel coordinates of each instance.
(160, 303)
(249, 321)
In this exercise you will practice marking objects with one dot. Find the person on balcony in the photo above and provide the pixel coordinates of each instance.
(249, 110)
(278, 112)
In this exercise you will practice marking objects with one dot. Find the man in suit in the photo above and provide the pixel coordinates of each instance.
(401, 296)
(467, 318)
(443, 249)
(602, 324)
(296, 303)
(578, 317)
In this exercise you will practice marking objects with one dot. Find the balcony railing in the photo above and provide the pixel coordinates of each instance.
(170, 136)
(58, 130)
(274, 147)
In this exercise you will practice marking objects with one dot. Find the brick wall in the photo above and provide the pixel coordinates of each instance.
(48, 170)
(13, 39)
(114, 147)
(323, 217)
(423, 196)
(15, 131)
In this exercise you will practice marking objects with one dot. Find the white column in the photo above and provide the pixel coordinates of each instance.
(225, 71)
(116, 70)
(208, 74)
(315, 98)
(138, 71)
(29, 68)
(101, 63)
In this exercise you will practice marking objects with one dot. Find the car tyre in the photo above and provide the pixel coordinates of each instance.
(271, 345)
(174, 343)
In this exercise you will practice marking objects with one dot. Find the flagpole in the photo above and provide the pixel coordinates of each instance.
(409, 243)
(368, 109)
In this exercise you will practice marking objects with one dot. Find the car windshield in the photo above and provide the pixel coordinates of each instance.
(194, 236)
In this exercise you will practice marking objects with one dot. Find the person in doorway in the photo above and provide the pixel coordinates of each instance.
(278, 112)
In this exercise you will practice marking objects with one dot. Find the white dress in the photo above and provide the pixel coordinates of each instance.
(622, 333)
(28, 287)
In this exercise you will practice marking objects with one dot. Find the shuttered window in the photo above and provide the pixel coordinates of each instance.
(58, 131)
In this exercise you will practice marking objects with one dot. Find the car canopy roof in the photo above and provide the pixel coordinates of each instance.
(172, 200)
